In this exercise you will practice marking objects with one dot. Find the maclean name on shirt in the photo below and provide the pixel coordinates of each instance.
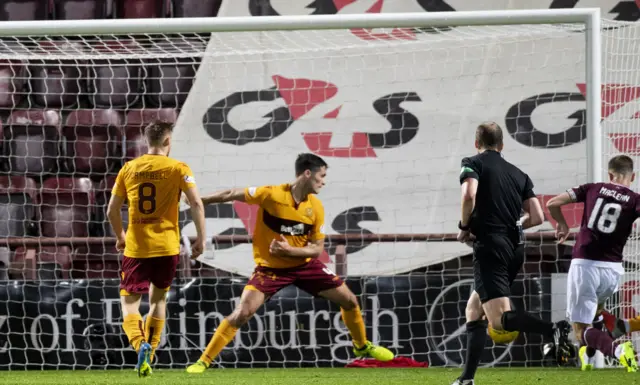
(614, 194)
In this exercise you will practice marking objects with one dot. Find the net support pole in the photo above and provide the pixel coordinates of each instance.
(594, 103)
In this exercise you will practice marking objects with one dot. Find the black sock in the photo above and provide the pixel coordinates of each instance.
(476, 339)
(526, 322)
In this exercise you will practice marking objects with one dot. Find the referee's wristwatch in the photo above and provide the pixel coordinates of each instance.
(463, 228)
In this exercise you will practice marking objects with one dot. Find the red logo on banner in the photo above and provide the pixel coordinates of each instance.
(302, 95)
(572, 212)
(614, 97)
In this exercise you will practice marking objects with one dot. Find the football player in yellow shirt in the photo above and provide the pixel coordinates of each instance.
(152, 184)
(288, 239)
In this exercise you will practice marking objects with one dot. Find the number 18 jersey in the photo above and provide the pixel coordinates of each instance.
(152, 184)
(609, 212)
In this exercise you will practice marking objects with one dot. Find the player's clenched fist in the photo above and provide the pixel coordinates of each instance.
(562, 232)
(120, 242)
(197, 248)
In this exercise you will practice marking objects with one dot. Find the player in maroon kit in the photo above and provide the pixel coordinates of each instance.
(596, 266)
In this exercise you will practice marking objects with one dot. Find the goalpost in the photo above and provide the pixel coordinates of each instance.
(258, 91)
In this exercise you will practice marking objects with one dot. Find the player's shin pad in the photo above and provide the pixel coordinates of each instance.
(355, 323)
(221, 338)
(132, 325)
(153, 328)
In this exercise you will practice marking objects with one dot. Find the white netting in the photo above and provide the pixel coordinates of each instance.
(621, 129)
(392, 111)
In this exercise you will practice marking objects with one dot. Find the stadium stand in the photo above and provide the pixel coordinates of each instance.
(68, 126)
(24, 10)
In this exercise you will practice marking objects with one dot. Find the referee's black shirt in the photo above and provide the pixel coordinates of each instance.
(502, 187)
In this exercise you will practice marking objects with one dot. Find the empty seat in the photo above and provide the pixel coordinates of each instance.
(95, 261)
(13, 77)
(80, 9)
(140, 9)
(195, 8)
(169, 80)
(57, 83)
(136, 121)
(115, 83)
(103, 195)
(65, 207)
(16, 10)
(92, 141)
(31, 142)
(52, 262)
(17, 195)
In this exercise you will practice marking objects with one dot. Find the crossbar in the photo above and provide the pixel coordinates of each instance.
(275, 23)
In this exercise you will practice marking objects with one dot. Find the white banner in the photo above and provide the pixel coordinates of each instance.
(392, 118)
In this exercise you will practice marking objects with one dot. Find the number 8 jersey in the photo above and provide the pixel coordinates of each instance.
(609, 212)
(152, 184)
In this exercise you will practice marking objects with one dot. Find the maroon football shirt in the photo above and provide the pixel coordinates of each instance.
(609, 212)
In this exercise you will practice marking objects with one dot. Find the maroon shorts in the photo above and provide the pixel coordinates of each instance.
(137, 273)
(312, 277)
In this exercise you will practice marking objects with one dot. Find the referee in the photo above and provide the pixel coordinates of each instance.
(494, 195)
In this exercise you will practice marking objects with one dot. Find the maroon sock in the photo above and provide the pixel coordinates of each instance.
(599, 340)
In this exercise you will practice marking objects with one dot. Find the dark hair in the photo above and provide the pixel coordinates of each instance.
(489, 135)
(156, 131)
(621, 164)
(307, 161)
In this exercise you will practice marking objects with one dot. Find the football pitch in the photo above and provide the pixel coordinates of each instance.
(351, 376)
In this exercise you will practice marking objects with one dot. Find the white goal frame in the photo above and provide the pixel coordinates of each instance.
(590, 17)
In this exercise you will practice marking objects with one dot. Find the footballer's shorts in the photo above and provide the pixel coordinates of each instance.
(312, 277)
(497, 260)
(137, 273)
(588, 287)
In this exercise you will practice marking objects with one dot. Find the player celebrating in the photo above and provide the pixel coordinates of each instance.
(152, 185)
(494, 194)
(596, 266)
(288, 238)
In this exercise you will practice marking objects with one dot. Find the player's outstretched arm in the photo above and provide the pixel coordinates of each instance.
(234, 194)
(555, 209)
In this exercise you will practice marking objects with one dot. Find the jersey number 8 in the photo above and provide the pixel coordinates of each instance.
(608, 216)
(147, 194)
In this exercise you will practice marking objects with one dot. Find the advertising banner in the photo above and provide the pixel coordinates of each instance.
(76, 324)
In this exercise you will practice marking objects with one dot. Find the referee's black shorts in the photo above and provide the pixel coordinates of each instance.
(497, 260)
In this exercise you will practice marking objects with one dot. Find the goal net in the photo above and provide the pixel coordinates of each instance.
(391, 110)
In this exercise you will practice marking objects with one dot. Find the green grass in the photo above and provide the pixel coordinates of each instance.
(325, 376)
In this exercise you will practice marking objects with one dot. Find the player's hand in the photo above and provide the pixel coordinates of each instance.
(197, 248)
(465, 236)
(562, 232)
(120, 243)
(279, 247)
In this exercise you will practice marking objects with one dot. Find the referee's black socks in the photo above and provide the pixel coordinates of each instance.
(526, 322)
(476, 338)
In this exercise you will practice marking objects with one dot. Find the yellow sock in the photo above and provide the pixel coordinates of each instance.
(354, 322)
(223, 335)
(634, 325)
(132, 325)
(153, 331)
